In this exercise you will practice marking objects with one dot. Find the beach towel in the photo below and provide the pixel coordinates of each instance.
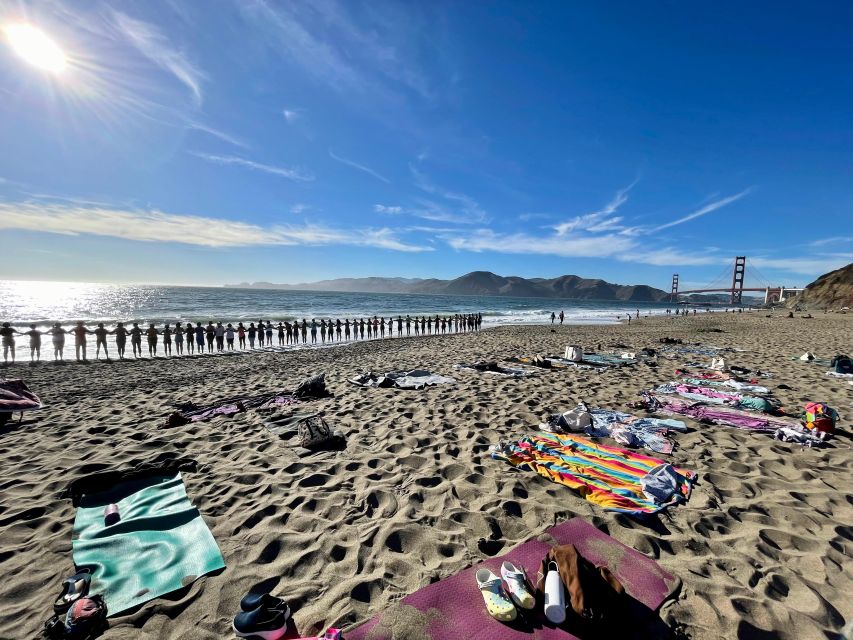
(495, 369)
(633, 431)
(733, 384)
(607, 476)
(16, 396)
(453, 609)
(415, 379)
(725, 416)
(159, 545)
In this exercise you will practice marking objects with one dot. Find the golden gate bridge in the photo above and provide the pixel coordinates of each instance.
(772, 293)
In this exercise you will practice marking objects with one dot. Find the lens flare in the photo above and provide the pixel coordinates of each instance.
(35, 47)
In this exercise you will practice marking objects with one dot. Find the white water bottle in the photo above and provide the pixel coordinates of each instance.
(555, 599)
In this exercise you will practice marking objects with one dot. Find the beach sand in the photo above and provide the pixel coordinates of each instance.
(763, 547)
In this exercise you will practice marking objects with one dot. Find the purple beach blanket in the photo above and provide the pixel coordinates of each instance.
(453, 608)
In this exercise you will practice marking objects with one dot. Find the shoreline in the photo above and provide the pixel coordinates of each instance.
(759, 547)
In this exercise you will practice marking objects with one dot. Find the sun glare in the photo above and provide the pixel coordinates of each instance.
(36, 47)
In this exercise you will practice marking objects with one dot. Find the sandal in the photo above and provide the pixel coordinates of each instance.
(516, 582)
(497, 604)
(73, 588)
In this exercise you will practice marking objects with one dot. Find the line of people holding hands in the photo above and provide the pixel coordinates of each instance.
(221, 337)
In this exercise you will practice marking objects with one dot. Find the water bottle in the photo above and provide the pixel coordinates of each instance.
(555, 599)
(111, 515)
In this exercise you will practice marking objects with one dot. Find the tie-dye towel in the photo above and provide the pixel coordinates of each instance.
(607, 476)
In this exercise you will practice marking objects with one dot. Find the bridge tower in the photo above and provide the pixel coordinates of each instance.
(737, 279)
(673, 297)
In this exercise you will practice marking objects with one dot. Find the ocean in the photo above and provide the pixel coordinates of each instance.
(43, 303)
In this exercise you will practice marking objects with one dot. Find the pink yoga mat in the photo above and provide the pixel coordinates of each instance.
(453, 608)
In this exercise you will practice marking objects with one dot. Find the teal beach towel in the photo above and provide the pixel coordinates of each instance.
(159, 545)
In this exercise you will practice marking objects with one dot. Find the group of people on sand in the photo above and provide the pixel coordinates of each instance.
(221, 337)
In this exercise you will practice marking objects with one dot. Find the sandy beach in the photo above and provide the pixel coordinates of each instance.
(763, 546)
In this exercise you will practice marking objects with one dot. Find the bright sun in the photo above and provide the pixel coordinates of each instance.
(36, 47)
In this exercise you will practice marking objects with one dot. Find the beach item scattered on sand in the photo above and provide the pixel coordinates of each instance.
(310, 389)
(310, 430)
(517, 585)
(498, 603)
(161, 544)
(85, 618)
(626, 429)
(607, 476)
(261, 616)
(494, 368)
(415, 379)
(16, 397)
(452, 608)
(594, 361)
(714, 395)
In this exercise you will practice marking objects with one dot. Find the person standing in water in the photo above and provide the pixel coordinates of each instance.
(80, 340)
(219, 334)
(121, 334)
(199, 337)
(562, 316)
(229, 337)
(280, 334)
(58, 335)
(35, 343)
(346, 329)
(209, 335)
(241, 336)
(179, 339)
(8, 335)
(313, 330)
(323, 330)
(189, 332)
(136, 340)
(304, 331)
(152, 334)
(260, 334)
(268, 332)
(252, 333)
(101, 334)
(167, 340)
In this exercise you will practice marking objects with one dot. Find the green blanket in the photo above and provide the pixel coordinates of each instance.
(161, 543)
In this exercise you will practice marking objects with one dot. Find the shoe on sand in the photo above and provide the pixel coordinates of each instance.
(253, 601)
(499, 606)
(265, 624)
(516, 583)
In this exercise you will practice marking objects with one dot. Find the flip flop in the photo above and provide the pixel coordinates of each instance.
(516, 582)
(497, 604)
(73, 588)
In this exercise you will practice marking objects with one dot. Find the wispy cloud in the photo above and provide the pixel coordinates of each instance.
(831, 240)
(360, 167)
(292, 115)
(459, 207)
(197, 126)
(157, 48)
(284, 172)
(299, 207)
(157, 226)
(598, 220)
(708, 208)
(803, 265)
(604, 246)
(381, 208)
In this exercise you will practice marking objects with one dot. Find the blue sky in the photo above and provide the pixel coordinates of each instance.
(214, 142)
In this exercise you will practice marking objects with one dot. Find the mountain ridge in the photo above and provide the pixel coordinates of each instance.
(482, 283)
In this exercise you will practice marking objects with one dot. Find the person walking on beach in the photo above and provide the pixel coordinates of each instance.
(229, 336)
(553, 317)
(121, 334)
(562, 316)
(219, 334)
(58, 336)
(152, 334)
(101, 334)
(167, 340)
(199, 337)
(35, 343)
(136, 340)
(80, 340)
(190, 332)
(179, 339)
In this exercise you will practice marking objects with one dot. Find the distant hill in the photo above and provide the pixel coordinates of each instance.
(833, 290)
(483, 283)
